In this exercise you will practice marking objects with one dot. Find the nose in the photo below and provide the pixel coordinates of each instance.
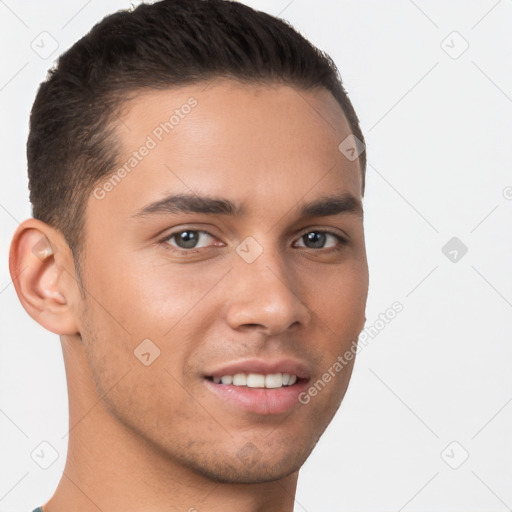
(265, 295)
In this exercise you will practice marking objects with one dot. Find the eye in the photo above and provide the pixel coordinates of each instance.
(188, 239)
(319, 239)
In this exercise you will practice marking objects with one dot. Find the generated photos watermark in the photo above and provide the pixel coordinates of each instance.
(152, 140)
(366, 335)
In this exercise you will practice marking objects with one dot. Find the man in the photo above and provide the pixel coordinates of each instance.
(196, 174)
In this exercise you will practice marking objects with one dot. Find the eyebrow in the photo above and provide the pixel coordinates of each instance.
(191, 203)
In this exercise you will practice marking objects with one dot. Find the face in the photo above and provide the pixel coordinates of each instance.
(231, 249)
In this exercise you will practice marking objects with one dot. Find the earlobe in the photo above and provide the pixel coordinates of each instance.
(37, 271)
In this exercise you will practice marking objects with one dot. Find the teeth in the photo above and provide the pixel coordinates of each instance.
(227, 379)
(258, 380)
(255, 380)
(274, 380)
(240, 379)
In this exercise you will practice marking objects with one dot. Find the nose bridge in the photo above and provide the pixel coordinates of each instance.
(262, 261)
(264, 291)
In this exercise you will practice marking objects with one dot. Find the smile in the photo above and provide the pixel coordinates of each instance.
(257, 386)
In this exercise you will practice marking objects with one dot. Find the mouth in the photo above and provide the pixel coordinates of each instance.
(258, 387)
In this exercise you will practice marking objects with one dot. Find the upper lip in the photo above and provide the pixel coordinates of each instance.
(263, 367)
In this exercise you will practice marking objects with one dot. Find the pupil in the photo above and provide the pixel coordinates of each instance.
(316, 240)
(187, 239)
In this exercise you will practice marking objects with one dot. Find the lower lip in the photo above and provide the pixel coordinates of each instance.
(264, 401)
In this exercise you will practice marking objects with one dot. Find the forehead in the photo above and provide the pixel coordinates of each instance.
(224, 138)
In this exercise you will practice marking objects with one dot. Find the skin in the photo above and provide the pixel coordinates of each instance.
(154, 438)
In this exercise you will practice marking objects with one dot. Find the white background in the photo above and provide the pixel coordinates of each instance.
(439, 149)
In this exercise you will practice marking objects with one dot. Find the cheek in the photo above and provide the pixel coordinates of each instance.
(146, 396)
(174, 305)
(148, 296)
(148, 302)
(339, 299)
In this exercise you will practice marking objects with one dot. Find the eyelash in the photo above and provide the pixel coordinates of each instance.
(341, 240)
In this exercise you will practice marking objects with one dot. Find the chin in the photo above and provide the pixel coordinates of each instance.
(259, 473)
(249, 465)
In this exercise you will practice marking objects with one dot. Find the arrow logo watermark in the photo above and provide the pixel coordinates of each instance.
(146, 352)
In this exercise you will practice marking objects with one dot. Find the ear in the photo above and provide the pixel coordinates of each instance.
(43, 273)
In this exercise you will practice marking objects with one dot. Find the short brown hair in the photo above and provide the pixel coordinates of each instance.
(72, 145)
